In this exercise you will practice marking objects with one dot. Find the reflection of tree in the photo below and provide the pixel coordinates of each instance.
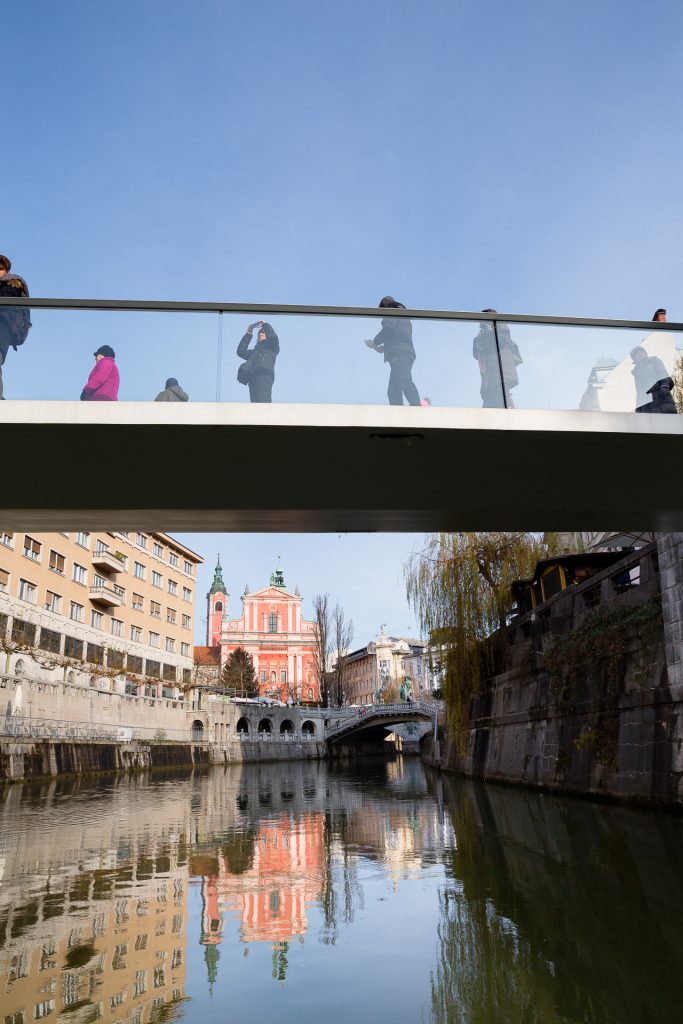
(280, 962)
(238, 849)
(484, 972)
(338, 906)
(538, 924)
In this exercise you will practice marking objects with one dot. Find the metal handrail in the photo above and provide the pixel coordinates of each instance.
(379, 711)
(56, 728)
(287, 309)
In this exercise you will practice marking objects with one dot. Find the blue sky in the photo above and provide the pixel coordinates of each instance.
(456, 154)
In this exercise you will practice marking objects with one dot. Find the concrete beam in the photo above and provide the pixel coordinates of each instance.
(315, 468)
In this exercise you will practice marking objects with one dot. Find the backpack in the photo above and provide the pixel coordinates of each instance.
(17, 321)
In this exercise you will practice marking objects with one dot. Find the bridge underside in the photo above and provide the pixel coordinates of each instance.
(313, 468)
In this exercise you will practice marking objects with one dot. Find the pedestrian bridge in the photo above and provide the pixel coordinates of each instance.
(529, 422)
(378, 718)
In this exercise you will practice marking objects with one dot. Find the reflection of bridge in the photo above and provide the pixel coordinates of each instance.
(543, 462)
(376, 718)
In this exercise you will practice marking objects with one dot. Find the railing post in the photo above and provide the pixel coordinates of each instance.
(500, 365)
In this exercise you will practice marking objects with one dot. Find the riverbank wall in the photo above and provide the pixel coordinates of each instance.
(588, 697)
(23, 760)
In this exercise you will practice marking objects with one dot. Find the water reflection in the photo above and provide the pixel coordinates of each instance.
(290, 891)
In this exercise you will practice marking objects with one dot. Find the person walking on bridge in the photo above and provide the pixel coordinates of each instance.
(15, 321)
(494, 358)
(395, 341)
(258, 369)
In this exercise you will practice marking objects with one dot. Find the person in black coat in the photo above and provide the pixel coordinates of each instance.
(258, 370)
(395, 341)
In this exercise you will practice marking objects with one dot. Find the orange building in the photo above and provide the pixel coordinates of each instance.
(272, 630)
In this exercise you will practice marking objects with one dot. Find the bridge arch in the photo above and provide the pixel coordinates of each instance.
(308, 729)
(287, 728)
(242, 726)
(265, 727)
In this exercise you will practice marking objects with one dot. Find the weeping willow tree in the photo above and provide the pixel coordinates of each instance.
(459, 587)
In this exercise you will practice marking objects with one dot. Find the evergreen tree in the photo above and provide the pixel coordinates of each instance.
(239, 677)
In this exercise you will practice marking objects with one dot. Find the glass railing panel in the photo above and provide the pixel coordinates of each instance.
(57, 357)
(341, 359)
(344, 359)
(593, 369)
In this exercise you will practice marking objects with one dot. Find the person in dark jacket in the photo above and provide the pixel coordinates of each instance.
(395, 341)
(14, 321)
(172, 392)
(659, 316)
(485, 351)
(647, 371)
(259, 366)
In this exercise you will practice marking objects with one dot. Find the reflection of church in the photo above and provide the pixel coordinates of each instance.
(271, 630)
(271, 895)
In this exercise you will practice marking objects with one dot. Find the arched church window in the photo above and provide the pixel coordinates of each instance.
(218, 606)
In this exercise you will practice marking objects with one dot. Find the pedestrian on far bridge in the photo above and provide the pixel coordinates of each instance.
(15, 321)
(395, 342)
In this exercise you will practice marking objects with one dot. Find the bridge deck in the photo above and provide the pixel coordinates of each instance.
(241, 467)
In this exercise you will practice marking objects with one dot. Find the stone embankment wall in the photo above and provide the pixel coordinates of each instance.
(589, 693)
(52, 728)
(25, 759)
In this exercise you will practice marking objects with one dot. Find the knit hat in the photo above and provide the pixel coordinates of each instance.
(105, 350)
(171, 382)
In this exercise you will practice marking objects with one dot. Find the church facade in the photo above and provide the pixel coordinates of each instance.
(271, 629)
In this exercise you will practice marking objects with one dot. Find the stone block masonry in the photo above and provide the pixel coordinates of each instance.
(589, 698)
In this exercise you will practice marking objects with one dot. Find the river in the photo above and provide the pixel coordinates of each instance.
(298, 892)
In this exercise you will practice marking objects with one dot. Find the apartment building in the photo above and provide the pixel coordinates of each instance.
(401, 661)
(114, 610)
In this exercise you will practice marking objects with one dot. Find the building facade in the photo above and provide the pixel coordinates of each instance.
(385, 666)
(273, 632)
(110, 610)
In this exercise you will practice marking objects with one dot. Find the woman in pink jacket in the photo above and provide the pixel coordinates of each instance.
(103, 382)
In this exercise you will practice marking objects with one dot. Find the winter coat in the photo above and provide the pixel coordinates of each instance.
(395, 338)
(172, 394)
(261, 358)
(14, 321)
(647, 372)
(485, 352)
(103, 382)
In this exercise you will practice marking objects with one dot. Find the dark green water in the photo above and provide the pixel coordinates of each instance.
(294, 893)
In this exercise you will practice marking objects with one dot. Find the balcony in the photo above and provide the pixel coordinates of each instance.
(530, 423)
(111, 597)
(107, 560)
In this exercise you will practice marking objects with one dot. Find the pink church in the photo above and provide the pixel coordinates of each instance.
(272, 631)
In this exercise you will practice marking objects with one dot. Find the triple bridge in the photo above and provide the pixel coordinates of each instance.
(375, 720)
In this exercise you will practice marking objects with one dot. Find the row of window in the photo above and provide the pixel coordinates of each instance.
(28, 634)
(57, 563)
(28, 591)
(142, 540)
(263, 676)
